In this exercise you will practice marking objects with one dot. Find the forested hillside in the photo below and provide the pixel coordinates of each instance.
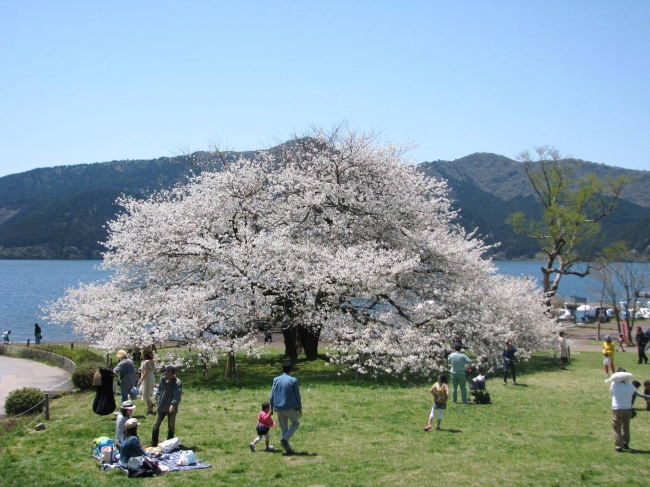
(60, 212)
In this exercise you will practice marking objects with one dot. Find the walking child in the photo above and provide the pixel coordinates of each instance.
(264, 424)
(608, 354)
(440, 392)
(621, 343)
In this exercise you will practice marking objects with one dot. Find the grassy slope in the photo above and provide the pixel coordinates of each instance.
(553, 429)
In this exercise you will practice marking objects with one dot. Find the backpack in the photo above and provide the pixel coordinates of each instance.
(104, 402)
(99, 443)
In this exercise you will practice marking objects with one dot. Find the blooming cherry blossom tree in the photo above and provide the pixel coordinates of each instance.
(330, 236)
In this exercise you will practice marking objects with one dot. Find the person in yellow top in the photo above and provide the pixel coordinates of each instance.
(608, 354)
(440, 392)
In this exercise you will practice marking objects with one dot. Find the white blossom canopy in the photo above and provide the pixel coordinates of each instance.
(333, 233)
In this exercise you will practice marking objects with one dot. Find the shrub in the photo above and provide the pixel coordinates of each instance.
(82, 377)
(78, 355)
(24, 399)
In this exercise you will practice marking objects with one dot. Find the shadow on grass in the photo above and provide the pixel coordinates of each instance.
(257, 373)
(301, 454)
(643, 452)
(443, 430)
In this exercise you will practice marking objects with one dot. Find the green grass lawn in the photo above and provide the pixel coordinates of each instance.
(552, 429)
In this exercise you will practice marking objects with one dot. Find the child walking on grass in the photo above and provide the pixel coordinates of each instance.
(264, 424)
(440, 392)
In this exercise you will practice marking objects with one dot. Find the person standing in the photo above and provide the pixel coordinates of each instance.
(641, 341)
(622, 391)
(608, 354)
(458, 361)
(440, 392)
(147, 379)
(125, 371)
(509, 362)
(37, 334)
(285, 399)
(168, 398)
(5, 337)
(564, 351)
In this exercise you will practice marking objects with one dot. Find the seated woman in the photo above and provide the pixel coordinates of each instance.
(122, 417)
(131, 443)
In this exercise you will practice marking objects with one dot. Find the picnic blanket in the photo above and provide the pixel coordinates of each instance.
(169, 460)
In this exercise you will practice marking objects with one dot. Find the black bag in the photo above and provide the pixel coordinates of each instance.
(104, 403)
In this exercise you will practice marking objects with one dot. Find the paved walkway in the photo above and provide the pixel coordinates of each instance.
(16, 373)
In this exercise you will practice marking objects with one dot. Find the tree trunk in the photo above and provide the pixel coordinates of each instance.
(290, 349)
(309, 340)
(230, 365)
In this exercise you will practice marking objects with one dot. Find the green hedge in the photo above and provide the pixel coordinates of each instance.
(24, 399)
(78, 355)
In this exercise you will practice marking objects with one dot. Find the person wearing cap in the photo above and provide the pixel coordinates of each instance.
(125, 370)
(126, 411)
(131, 445)
(168, 398)
(608, 354)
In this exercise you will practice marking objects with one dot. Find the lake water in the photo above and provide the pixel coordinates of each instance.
(26, 285)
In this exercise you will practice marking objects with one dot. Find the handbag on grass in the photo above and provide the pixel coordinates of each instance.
(169, 445)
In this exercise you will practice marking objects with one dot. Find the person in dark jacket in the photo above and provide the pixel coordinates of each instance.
(641, 341)
(37, 334)
(509, 362)
(168, 398)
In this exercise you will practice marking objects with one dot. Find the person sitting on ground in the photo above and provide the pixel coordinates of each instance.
(126, 411)
(131, 444)
(608, 354)
(5, 336)
(440, 392)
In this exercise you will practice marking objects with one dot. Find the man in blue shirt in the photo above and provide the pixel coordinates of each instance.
(458, 361)
(285, 399)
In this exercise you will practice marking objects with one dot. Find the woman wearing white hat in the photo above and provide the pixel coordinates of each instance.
(122, 417)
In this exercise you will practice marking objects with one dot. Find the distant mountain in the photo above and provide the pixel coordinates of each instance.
(486, 188)
(60, 212)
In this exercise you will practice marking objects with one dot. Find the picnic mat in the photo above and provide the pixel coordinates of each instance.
(168, 460)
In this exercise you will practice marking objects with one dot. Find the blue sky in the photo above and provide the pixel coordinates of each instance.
(84, 82)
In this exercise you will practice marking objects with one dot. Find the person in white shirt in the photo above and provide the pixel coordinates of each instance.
(622, 391)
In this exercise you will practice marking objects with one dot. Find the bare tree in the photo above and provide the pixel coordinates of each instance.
(572, 210)
(623, 276)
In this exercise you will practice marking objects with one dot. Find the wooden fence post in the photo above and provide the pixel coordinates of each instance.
(47, 406)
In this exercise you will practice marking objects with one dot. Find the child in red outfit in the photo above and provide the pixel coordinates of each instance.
(264, 424)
